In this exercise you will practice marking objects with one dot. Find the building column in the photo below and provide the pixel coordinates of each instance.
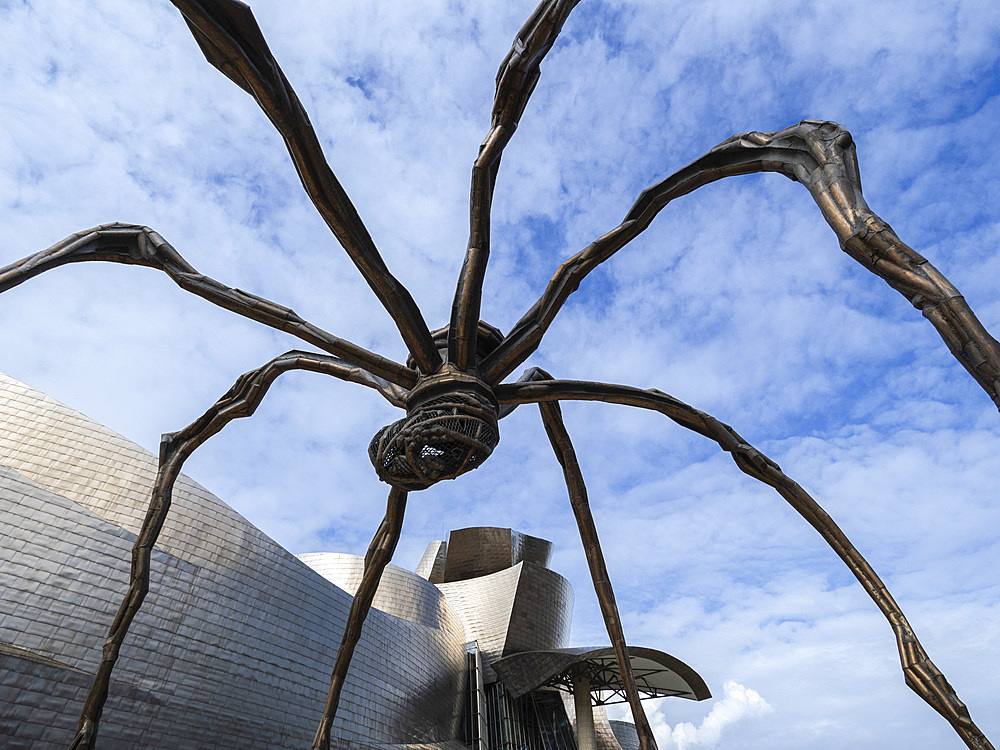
(586, 737)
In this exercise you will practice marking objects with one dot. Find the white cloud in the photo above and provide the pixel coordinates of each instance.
(736, 704)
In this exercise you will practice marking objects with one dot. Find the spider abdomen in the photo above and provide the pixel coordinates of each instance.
(441, 439)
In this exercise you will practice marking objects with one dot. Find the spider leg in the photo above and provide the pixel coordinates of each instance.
(379, 555)
(232, 41)
(136, 245)
(820, 155)
(516, 80)
(240, 401)
(559, 438)
(919, 672)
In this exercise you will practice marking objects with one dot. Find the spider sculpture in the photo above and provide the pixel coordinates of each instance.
(452, 387)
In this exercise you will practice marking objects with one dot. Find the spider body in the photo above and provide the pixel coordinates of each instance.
(451, 385)
(451, 423)
(450, 428)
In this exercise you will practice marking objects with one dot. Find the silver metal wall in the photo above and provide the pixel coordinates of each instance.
(236, 639)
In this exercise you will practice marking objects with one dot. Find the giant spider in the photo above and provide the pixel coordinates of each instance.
(469, 343)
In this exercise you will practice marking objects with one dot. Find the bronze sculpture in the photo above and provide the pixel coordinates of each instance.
(818, 154)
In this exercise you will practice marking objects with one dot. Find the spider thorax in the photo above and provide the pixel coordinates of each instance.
(450, 428)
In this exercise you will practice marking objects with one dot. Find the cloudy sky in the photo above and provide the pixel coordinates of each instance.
(737, 300)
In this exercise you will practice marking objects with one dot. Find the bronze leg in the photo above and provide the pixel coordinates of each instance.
(516, 80)
(379, 554)
(559, 437)
(920, 673)
(232, 41)
(136, 245)
(820, 155)
(240, 401)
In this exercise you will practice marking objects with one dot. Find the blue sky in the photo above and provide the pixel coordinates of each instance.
(736, 300)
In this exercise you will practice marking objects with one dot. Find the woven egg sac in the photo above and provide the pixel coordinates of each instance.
(442, 439)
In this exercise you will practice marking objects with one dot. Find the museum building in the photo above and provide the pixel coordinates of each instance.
(235, 642)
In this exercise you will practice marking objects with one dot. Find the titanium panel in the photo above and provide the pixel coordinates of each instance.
(522, 607)
(481, 550)
(232, 619)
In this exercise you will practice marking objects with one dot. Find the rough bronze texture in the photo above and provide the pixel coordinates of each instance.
(454, 402)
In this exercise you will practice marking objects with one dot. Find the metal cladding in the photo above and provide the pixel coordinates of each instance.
(523, 608)
(401, 593)
(625, 735)
(235, 645)
(481, 550)
(431, 565)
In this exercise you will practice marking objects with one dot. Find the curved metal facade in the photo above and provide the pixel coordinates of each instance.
(236, 639)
